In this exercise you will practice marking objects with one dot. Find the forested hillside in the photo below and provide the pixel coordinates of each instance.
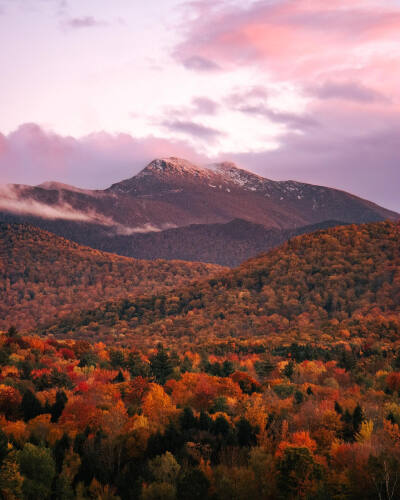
(227, 244)
(279, 380)
(43, 276)
(336, 282)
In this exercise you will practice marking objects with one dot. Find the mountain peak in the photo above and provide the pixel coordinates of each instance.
(168, 166)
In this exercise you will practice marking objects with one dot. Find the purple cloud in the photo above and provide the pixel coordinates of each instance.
(204, 106)
(292, 120)
(363, 163)
(83, 22)
(255, 94)
(192, 129)
(31, 155)
(351, 91)
(199, 63)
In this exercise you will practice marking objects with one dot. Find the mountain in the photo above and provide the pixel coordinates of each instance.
(324, 285)
(226, 244)
(43, 276)
(173, 193)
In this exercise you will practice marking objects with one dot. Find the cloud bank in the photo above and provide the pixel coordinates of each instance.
(32, 155)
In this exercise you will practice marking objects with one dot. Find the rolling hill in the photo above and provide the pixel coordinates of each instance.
(336, 282)
(43, 276)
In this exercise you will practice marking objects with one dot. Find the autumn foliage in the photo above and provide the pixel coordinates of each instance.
(277, 380)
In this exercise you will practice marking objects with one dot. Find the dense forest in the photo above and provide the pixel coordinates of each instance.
(237, 420)
(323, 286)
(43, 276)
(279, 379)
(226, 244)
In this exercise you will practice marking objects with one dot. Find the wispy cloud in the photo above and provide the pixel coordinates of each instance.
(204, 106)
(14, 200)
(199, 63)
(83, 22)
(351, 91)
(292, 120)
(192, 129)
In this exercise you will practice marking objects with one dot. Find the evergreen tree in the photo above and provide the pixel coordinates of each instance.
(288, 371)
(58, 407)
(186, 365)
(136, 366)
(227, 368)
(187, 419)
(119, 378)
(193, 485)
(3, 447)
(60, 448)
(38, 468)
(264, 368)
(246, 433)
(358, 418)
(160, 364)
(298, 397)
(30, 406)
(338, 408)
(297, 471)
(205, 421)
(12, 332)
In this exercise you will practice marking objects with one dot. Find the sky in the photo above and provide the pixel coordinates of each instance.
(92, 90)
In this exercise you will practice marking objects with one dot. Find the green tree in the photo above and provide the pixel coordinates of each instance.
(298, 397)
(119, 378)
(288, 371)
(358, 418)
(193, 485)
(12, 332)
(246, 434)
(59, 450)
(3, 447)
(30, 406)
(297, 473)
(58, 407)
(187, 419)
(10, 478)
(264, 368)
(38, 469)
(159, 491)
(161, 366)
(164, 468)
(136, 366)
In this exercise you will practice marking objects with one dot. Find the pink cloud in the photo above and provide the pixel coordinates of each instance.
(31, 155)
(299, 40)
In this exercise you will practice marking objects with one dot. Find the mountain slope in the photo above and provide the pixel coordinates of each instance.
(316, 285)
(173, 193)
(43, 276)
(227, 244)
